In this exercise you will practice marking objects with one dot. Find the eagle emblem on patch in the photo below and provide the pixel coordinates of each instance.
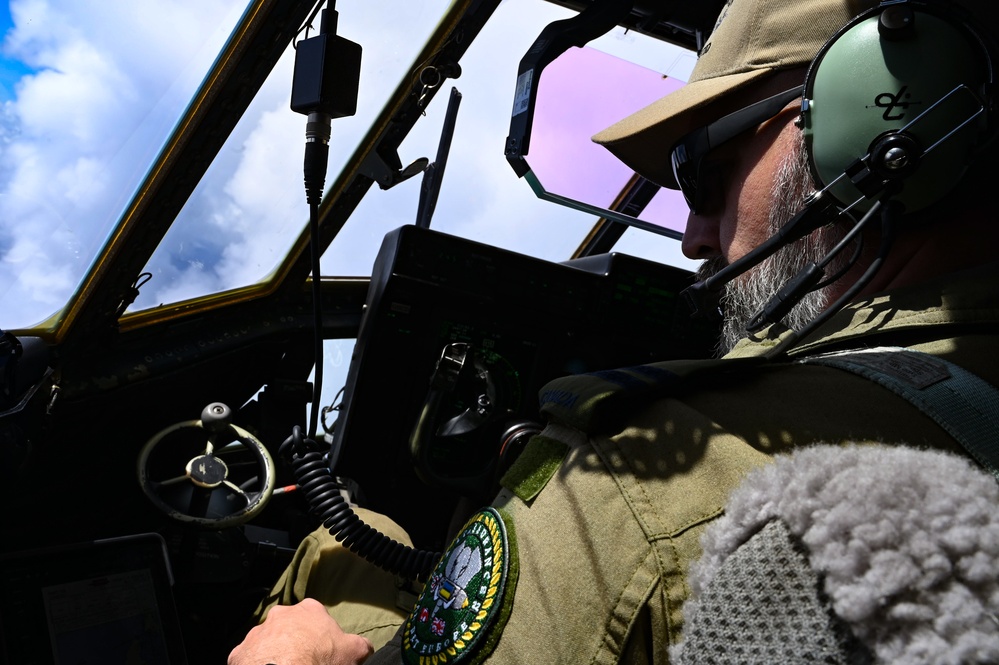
(464, 597)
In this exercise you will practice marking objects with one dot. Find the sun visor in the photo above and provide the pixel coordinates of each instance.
(580, 93)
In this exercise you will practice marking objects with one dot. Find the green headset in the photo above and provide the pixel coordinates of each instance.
(896, 104)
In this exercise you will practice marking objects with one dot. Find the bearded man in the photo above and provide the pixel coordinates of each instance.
(834, 154)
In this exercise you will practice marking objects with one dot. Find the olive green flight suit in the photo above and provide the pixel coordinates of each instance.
(608, 504)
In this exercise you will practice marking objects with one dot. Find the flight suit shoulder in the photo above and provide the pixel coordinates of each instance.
(601, 401)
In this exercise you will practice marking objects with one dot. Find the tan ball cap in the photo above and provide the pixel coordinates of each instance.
(751, 40)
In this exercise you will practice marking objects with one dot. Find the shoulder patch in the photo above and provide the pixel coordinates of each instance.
(465, 604)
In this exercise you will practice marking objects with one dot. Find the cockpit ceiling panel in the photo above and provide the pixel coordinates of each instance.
(686, 23)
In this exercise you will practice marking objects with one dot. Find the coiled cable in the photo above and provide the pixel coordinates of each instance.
(322, 492)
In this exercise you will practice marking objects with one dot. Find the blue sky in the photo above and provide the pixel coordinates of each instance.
(10, 70)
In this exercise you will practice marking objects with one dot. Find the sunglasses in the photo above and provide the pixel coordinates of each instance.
(690, 168)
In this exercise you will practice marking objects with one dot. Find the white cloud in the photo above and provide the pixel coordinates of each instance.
(253, 196)
(249, 207)
(111, 78)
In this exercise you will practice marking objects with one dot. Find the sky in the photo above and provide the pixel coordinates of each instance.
(97, 88)
(11, 69)
(89, 92)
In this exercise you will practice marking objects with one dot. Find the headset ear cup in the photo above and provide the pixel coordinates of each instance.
(869, 83)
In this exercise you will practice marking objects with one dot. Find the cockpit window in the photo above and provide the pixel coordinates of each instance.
(250, 207)
(481, 197)
(91, 91)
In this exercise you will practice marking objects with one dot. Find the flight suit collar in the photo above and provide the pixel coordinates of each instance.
(967, 298)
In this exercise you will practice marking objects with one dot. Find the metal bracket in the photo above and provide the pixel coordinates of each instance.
(387, 175)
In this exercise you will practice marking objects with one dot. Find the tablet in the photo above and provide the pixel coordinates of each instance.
(106, 601)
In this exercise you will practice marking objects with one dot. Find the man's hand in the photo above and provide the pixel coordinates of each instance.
(302, 634)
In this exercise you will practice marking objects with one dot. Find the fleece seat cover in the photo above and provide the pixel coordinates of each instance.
(903, 551)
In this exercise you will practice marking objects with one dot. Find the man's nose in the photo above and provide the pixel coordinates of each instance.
(700, 238)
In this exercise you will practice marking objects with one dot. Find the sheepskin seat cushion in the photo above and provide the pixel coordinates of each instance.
(849, 555)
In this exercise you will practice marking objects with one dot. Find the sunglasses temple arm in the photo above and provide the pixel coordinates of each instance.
(732, 125)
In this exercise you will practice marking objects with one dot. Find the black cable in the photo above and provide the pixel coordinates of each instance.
(327, 68)
(807, 280)
(308, 23)
(321, 490)
(702, 297)
(317, 319)
(846, 267)
(889, 212)
(313, 472)
(850, 235)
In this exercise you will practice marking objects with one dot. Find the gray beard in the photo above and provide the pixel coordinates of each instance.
(744, 297)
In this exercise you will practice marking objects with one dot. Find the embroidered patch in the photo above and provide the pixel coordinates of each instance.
(464, 596)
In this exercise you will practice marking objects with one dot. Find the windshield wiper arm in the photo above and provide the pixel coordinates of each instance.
(434, 173)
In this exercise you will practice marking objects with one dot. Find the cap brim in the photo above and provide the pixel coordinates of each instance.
(644, 139)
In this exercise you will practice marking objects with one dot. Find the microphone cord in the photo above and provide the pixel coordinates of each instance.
(317, 319)
(325, 86)
(889, 214)
(321, 490)
(810, 278)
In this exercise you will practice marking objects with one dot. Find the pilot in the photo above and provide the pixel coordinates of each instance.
(837, 159)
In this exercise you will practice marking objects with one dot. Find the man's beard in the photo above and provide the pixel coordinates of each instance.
(746, 295)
